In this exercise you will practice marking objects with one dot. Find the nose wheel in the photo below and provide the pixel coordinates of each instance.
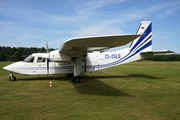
(12, 77)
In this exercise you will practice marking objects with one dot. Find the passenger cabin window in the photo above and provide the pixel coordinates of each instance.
(40, 59)
(29, 59)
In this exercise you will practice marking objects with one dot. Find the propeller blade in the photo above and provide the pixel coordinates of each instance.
(47, 66)
(48, 59)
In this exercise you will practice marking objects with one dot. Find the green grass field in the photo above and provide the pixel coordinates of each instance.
(138, 90)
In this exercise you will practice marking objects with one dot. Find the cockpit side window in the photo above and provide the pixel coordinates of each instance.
(40, 59)
(29, 59)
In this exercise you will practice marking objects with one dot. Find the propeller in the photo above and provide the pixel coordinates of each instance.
(48, 57)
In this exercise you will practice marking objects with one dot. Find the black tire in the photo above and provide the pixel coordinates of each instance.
(76, 79)
(12, 78)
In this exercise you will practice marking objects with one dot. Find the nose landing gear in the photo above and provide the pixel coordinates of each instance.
(12, 77)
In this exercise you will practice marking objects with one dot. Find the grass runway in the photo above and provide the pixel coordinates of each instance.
(138, 91)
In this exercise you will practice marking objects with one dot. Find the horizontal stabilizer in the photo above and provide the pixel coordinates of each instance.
(157, 52)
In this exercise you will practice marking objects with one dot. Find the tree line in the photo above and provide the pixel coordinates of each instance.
(170, 57)
(19, 53)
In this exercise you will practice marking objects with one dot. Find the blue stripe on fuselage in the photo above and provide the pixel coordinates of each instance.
(123, 59)
(145, 34)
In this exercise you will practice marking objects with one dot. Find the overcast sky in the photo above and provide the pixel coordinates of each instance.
(29, 23)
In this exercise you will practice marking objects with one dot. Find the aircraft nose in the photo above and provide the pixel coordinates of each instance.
(8, 68)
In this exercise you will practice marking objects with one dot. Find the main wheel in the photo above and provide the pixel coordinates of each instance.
(76, 79)
(12, 78)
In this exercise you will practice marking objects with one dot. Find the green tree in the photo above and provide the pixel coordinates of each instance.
(2, 57)
(17, 56)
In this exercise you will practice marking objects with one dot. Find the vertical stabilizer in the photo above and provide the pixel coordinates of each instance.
(144, 42)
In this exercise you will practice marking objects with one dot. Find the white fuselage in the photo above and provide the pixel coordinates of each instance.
(91, 62)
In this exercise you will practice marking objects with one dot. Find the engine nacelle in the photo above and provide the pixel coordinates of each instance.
(56, 56)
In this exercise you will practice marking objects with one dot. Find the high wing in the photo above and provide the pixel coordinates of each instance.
(77, 47)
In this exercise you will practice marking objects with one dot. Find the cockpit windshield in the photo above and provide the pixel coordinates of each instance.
(30, 58)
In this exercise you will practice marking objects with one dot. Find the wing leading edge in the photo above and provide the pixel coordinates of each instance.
(81, 46)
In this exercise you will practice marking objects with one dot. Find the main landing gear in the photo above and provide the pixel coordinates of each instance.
(76, 79)
(77, 69)
(12, 77)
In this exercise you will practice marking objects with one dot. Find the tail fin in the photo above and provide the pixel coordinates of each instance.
(144, 42)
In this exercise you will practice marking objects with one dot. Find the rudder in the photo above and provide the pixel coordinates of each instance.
(144, 42)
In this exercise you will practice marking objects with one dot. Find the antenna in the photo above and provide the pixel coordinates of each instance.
(47, 46)
(40, 50)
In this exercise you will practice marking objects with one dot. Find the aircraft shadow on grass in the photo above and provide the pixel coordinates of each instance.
(64, 78)
(90, 85)
(34, 78)
(97, 87)
(119, 76)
